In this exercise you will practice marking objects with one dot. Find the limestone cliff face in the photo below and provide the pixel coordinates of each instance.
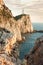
(24, 23)
(8, 22)
(8, 26)
(8, 53)
(36, 55)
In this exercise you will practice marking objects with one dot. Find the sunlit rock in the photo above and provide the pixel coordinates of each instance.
(5, 60)
(24, 23)
(8, 22)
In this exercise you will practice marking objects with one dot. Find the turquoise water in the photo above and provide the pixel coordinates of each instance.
(28, 44)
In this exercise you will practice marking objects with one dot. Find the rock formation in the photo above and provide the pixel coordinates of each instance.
(4, 36)
(7, 21)
(36, 54)
(10, 33)
(24, 23)
(8, 53)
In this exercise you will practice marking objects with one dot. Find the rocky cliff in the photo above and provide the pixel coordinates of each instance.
(10, 33)
(9, 55)
(24, 23)
(36, 54)
(7, 21)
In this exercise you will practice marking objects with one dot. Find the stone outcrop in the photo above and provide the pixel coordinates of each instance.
(7, 21)
(4, 36)
(24, 23)
(36, 54)
(10, 54)
(10, 33)
(5, 60)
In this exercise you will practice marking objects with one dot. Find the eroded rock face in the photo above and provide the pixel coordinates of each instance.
(4, 36)
(24, 23)
(36, 55)
(7, 21)
(9, 34)
(8, 53)
(5, 60)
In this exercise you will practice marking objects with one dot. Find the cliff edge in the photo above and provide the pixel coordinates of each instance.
(24, 23)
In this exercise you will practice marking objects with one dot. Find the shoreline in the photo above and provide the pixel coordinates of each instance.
(40, 31)
(35, 54)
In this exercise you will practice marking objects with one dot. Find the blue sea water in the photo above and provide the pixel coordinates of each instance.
(28, 44)
(38, 26)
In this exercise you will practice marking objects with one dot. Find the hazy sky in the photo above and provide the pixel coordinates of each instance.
(32, 7)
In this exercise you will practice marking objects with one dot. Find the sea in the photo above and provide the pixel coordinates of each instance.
(29, 42)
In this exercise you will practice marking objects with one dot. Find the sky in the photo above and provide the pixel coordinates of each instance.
(32, 7)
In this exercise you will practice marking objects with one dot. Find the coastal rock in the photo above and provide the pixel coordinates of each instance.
(5, 60)
(9, 35)
(7, 21)
(24, 23)
(8, 60)
(36, 54)
(18, 33)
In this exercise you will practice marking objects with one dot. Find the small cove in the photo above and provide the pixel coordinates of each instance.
(29, 43)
